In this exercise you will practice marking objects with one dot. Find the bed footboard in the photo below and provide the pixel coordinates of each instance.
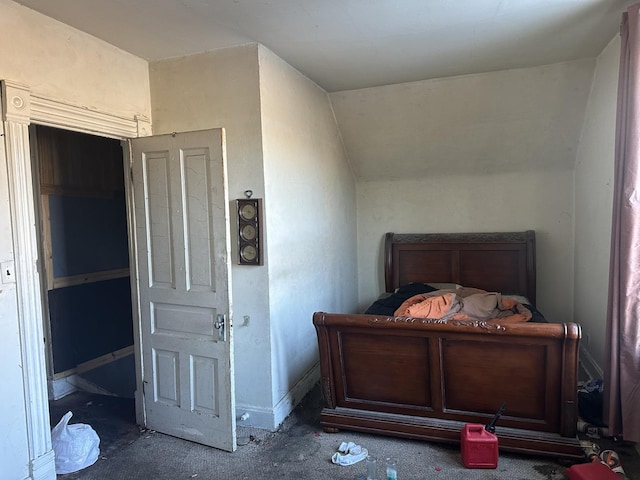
(420, 379)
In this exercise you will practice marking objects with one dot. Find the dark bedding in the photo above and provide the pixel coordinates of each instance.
(388, 304)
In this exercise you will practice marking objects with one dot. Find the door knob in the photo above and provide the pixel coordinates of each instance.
(219, 325)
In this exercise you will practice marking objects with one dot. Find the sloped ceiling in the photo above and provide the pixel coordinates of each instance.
(518, 120)
(419, 87)
(350, 44)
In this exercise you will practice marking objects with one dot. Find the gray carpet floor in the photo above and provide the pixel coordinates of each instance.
(298, 450)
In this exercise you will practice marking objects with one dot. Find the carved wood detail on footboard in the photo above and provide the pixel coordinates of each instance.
(423, 379)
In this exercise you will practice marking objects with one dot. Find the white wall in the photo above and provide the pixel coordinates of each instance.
(470, 203)
(526, 119)
(221, 89)
(594, 203)
(478, 153)
(409, 145)
(60, 63)
(311, 221)
(283, 144)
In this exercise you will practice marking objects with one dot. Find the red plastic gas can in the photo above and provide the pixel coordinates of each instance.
(479, 448)
(591, 471)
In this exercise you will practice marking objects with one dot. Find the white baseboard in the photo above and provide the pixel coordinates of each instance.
(62, 387)
(44, 467)
(256, 417)
(271, 418)
(297, 393)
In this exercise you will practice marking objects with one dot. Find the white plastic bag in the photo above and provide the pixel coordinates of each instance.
(75, 446)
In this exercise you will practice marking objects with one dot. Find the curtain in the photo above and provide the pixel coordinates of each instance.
(622, 347)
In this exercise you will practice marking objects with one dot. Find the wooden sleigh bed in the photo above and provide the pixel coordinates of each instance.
(424, 379)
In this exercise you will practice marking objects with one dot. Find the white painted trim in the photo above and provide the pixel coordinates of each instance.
(15, 111)
(53, 113)
(16, 102)
(259, 417)
(61, 387)
(44, 467)
(60, 115)
(293, 397)
(141, 418)
(271, 418)
(19, 109)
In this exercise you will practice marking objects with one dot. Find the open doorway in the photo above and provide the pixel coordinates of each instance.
(84, 247)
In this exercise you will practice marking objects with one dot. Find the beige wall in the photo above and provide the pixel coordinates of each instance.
(63, 64)
(470, 203)
(311, 218)
(485, 152)
(526, 119)
(479, 153)
(594, 203)
(221, 89)
(282, 143)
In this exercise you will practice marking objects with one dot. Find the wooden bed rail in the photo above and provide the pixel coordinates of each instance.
(422, 379)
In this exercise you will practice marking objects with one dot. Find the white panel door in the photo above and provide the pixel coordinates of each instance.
(183, 275)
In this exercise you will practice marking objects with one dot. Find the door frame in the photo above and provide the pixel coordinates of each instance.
(20, 108)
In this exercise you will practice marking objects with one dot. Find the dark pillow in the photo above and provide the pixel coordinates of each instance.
(411, 289)
(388, 305)
(536, 316)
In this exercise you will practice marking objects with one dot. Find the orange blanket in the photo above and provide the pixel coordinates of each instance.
(464, 304)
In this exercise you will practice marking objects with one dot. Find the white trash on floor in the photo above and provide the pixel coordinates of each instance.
(349, 453)
(75, 446)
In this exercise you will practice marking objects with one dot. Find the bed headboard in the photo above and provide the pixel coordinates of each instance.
(496, 262)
